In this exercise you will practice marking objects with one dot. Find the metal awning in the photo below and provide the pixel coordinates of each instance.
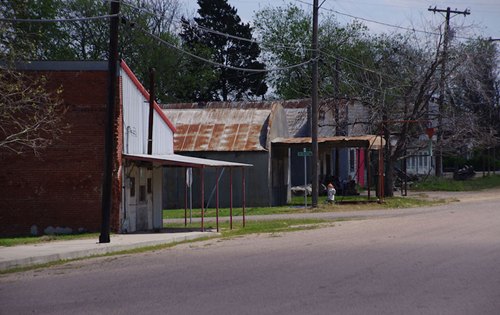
(182, 160)
(177, 160)
(367, 141)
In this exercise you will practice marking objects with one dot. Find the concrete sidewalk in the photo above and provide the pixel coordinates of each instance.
(29, 255)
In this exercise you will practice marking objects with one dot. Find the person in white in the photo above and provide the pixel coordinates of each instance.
(331, 193)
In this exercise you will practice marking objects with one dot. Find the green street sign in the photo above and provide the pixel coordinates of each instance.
(305, 153)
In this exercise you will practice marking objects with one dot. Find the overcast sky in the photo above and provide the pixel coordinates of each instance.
(485, 14)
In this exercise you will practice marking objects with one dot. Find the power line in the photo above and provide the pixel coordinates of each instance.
(209, 30)
(220, 64)
(90, 18)
(373, 21)
(411, 29)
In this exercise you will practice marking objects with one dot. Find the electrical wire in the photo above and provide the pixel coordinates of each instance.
(90, 18)
(211, 31)
(220, 64)
(411, 29)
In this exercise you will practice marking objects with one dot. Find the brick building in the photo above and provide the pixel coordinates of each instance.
(60, 191)
(62, 186)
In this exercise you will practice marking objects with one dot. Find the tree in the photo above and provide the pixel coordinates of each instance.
(474, 93)
(286, 32)
(34, 41)
(88, 40)
(226, 82)
(474, 88)
(30, 117)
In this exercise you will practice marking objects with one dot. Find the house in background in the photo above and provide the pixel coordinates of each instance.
(233, 131)
(60, 191)
(336, 158)
(269, 135)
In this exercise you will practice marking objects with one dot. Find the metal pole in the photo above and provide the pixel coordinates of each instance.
(185, 196)
(314, 108)
(381, 168)
(217, 199)
(202, 199)
(368, 171)
(243, 192)
(191, 201)
(231, 198)
(305, 178)
(109, 130)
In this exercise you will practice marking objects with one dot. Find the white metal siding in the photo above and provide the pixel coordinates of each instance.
(135, 123)
(163, 137)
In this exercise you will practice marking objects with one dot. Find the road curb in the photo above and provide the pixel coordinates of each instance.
(96, 249)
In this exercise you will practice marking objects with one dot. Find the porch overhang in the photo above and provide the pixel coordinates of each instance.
(182, 161)
(176, 160)
(371, 142)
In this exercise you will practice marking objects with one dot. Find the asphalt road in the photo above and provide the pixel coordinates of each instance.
(440, 261)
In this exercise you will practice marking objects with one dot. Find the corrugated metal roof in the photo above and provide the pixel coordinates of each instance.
(182, 160)
(242, 126)
(219, 129)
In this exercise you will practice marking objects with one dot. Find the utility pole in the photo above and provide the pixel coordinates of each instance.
(151, 109)
(442, 87)
(109, 128)
(314, 108)
(338, 131)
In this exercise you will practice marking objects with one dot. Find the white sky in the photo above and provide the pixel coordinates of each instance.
(484, 17)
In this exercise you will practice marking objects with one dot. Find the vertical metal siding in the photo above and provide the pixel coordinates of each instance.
(135, 123)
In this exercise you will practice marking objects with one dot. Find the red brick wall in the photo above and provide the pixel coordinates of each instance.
(62, 187)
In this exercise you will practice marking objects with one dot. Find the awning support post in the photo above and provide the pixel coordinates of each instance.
(202, 198)
(185, 197)
(217, 199)
(231, 198)
(243, 193)
(369, 173)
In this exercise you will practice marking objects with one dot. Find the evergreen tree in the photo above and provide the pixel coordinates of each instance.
(224, 83)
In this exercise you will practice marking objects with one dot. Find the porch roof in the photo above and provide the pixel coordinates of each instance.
(182, 161)
(367, 141)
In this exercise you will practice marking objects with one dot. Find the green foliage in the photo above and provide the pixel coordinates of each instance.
(34, 41)
(286, 33)
(352, 203)
(286, 36)
(481, 160)
(14, 241)
(446, 184)
(88, 40)
(273, 226)
(223, 83)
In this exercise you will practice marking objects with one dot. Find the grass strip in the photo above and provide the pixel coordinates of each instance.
(389, 203)
(447, 184)
(26, 240)
(252, 227)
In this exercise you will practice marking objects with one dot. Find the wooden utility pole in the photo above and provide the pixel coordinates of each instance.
(151, 109)
(338, 131)
(314, 108)
(109, 128)
(442, 84)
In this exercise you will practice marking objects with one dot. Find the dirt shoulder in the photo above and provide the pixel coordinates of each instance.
(462, 196)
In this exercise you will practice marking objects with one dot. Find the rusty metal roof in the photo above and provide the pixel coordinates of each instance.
(242, 126)
(219, 129)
